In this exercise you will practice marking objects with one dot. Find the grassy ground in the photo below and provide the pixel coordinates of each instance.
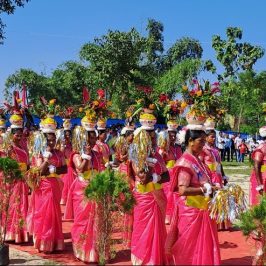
(231, 168)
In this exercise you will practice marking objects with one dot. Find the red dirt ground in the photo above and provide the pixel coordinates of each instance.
(235, 249)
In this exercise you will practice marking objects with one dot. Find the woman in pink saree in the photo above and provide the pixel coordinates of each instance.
(125, 168)
(69, 177)
(17, 213)
(44, 217)
(149, 231)
(258, 175)
(84, 231)
(192, 239)
(170, 157)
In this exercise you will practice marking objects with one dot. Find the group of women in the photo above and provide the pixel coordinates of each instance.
(169, 188)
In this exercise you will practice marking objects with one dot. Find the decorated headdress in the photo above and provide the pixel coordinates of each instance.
(262, 131)
(204, 99)
(67, 113)
(48, 123)
(16, 111)
(2, 119)
(101, 107)
(209, 124)
(89, 120)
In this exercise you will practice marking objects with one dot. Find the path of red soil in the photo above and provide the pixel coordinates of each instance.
(235, 250)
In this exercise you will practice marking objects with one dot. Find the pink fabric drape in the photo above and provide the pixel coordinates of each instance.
(44, 217)
(18, 204)
(149, 232)
(193, 238)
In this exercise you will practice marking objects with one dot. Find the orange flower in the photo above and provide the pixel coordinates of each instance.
(152, 106)
(19, 100)
(183, 105)
(109, 103)
(52, 101)
(113, 115)
(80, 109)
(95, 103)
(199, 93)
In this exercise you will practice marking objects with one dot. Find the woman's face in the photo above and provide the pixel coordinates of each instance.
(172, 137)
(17, 136)
(51, 140)
(130, 138)
(92, 139)
(197, 145)
(67, 135)
(153, 137)
(211, 139)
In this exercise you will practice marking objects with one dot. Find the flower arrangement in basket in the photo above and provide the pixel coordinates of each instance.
(111, 192)
(204, 101)
(253, 225)
(10, 173)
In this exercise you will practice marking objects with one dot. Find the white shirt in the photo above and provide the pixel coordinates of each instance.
(220, 142)
(238, 141)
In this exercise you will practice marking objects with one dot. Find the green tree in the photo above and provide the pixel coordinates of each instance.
(173, 79)
(184, 48)
(37, 85)
(244, 98)
(235, 56)
(8, 7)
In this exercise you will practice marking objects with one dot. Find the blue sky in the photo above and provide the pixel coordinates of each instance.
(45, 33)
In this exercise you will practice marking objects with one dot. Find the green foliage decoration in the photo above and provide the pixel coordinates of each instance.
(111, 192)
(253, 224)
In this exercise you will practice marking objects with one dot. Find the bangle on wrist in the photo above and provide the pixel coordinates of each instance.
(260, 187)
(208, 189)
(86, 157)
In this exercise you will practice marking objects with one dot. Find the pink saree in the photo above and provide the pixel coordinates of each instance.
(211, 157)
(18, 204)
(173, 155)
(193, 238)
(69, 177)
(84, 231)
(149, 232)
(259, 154)
(128, 217)
(44, 217)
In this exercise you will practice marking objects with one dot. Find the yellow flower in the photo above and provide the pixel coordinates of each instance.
(52, 101)
(171, 102)
(80, 109)
(113, 115)
(185, 88)
(139, 101)
(19, 100)
(183, 105)
(109, 103)
(95, 103)
(199, 93)
(128, 114)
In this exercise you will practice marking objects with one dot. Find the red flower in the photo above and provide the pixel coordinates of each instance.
(145, 89)
(101, 93)
(102, 105)
(70, 110)
(163, 98)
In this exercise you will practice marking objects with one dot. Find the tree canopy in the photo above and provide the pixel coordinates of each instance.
(120, 61)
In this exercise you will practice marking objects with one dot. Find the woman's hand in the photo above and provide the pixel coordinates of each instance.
(88, 149)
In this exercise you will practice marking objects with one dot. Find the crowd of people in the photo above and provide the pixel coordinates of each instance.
(170, 185)
(234, 148)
